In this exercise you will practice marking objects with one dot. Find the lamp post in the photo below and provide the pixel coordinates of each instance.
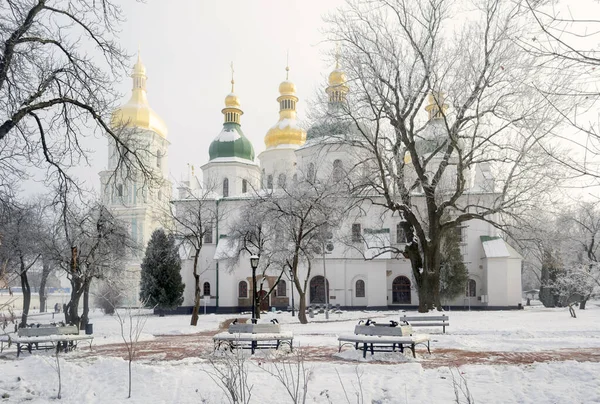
(292, 291)
(254, 264)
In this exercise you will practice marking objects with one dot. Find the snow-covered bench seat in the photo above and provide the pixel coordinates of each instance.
(253, 337)
(63, 338)
(381, 338)
(427, 321)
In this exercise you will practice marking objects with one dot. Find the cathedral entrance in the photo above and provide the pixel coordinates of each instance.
(401, 290)
(317, 290)
(264, 300)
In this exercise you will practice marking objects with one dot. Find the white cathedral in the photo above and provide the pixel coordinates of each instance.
(342, 276)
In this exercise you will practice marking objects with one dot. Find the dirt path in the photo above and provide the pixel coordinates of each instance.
(168, 347)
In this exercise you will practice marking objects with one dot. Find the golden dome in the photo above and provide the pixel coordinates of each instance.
(232, 101)
(136, 113)
(286, 131)
(337, 78)
(287, 88)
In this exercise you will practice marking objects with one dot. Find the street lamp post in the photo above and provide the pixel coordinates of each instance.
(254, 264)
(292, 291)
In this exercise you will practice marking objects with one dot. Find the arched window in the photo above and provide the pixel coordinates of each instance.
(226, 187)
(244, 186)
(158, 158)
(338, 171)
(281, 288)
(318, 286)
(311, 172)
(270, 182)
(401, 290)
(471, 288)
(243, 289)
(360, 288)
(281, 181)
(206, 289)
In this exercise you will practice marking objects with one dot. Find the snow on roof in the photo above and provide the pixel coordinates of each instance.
(495, 247)
(226, 248)
(228, 135)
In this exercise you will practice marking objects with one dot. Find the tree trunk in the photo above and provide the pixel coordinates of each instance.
(42, 292)
(72, 308)
(26, 296)
(197, 291)
(86, 305)
(302, 308)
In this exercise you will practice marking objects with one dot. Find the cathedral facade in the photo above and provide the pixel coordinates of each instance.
(354, 277)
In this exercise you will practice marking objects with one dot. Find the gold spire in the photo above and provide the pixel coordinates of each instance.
(286, 131)
(436, 100)
(337, 88)
(232, 111)
(137, 112)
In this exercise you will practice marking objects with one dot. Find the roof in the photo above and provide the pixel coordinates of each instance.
(495, 247)
(231, 142)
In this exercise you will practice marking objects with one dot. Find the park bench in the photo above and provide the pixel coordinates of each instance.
(427, 321)
(383, 338)
(253, 337)
(49, 336)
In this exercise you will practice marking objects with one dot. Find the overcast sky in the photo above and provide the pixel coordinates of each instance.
(187, 47)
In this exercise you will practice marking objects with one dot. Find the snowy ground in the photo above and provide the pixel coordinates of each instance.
(562, 366)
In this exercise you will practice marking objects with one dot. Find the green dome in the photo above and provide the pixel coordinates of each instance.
(231, 142)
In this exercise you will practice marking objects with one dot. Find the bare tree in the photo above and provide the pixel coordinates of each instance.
(90, 244)
(296, 215)
(58, 64)
(21, 247)
(485, 119)
(195, 216)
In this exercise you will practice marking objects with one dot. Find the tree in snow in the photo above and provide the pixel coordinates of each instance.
(161, 284)
(453, 272)
(195, 217)
(485, 118)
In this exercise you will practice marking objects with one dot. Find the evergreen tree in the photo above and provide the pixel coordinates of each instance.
(453, 272)
(161, 284)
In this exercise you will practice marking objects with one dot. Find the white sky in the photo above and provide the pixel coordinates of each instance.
(187, 47)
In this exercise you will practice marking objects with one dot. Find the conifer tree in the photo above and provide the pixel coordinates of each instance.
(453, 271)
(161, 285)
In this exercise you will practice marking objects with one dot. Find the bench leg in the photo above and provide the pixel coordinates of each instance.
(372, 351)
(253, 346)
(412, 348)
(365, 350)
(18, 349)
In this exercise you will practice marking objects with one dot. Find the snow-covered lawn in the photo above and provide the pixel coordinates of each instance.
(98, 377)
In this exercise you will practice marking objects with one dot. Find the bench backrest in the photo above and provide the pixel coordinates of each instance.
(254, 329)
(416, 319)
(45, 331)
(383, 330)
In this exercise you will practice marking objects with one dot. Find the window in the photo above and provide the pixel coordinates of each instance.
(244, 186)
(356, 233)
(281, 181)
(281, 288)
(208, 238)
(360, 288)
(311, 172)
(471, 288)
(400, 234)
(243, 289)
(401, 290)
(119, 189)
(338, 171)
(270, 182)
(158, 158)
(226, 187)
(206, 289)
